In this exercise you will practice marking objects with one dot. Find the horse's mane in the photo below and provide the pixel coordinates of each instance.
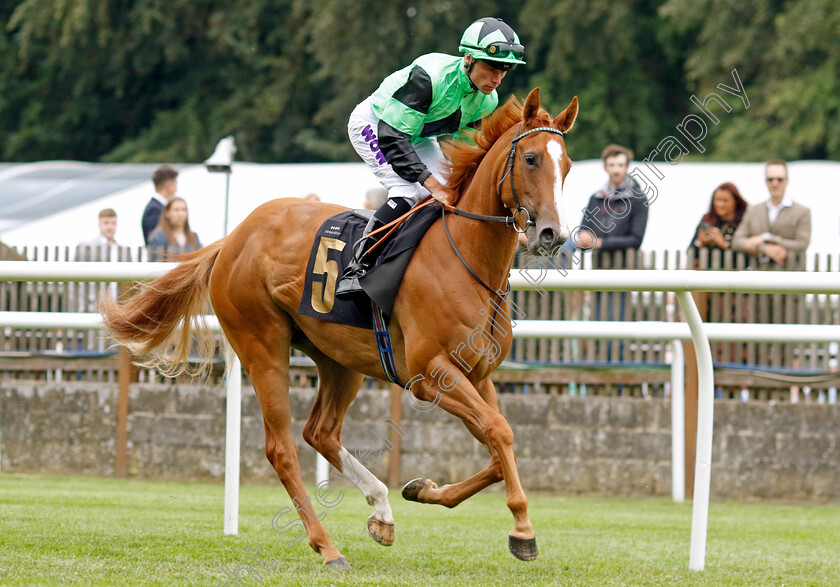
(464, 156)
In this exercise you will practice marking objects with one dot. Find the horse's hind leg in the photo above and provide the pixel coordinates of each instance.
(336, 390)
(266, 358)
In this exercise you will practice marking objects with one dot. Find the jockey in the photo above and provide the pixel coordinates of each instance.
(395, 129)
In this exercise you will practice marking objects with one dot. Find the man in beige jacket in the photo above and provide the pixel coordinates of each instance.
(778, 228)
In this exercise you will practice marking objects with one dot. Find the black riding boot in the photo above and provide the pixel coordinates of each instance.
(392, 209)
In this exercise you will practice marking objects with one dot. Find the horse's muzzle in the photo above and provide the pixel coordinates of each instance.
(549, 238)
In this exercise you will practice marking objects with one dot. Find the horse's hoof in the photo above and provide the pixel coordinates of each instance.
(525, 549)
(339, 564)
(382, 532)
(411, 490)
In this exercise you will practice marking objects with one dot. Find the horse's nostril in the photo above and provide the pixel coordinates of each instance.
(547, 236)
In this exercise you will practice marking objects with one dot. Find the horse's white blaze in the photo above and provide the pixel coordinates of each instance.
(555, 152)
(375, 491)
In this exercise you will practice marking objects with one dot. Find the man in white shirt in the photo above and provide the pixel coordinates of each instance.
(777, 228)
(102, 248)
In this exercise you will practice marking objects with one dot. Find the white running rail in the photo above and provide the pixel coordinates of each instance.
(682, 282)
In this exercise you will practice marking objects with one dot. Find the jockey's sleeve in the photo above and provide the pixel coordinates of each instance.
(403, 118)
(399, 152)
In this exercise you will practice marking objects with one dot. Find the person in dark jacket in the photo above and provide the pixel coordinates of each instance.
(614, 221)
(616, 216)
(166, 185)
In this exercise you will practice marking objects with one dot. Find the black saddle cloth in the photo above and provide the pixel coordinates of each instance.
(332, 251)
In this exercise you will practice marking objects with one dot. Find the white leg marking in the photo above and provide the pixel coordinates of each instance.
(375, 491)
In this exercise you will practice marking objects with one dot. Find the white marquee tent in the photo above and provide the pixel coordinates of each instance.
(56, 203)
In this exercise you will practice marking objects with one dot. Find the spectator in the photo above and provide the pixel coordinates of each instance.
(375, 197)
(718, 225)
(616, 215)
(166, 185)
(715, 231)
(173, 234)
(614, 222)
(779, 228)
(104, 247)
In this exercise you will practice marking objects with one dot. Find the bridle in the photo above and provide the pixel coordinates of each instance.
(507, 220)
(508, 172)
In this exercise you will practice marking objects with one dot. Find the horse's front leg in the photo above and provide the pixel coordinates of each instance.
(455, 394)
(450, 495)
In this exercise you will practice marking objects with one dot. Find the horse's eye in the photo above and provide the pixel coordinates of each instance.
(530, 160)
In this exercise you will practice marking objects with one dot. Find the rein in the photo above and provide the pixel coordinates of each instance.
(507, 220)
(508, 172)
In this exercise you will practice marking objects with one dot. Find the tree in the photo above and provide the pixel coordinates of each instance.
(788, 57)
(609, 55)
(148, 80)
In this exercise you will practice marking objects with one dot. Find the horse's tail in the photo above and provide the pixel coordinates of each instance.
(146, 324)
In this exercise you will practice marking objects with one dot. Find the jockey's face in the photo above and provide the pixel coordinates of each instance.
(485, 77)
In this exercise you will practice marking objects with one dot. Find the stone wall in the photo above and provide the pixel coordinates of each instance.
(604, 446)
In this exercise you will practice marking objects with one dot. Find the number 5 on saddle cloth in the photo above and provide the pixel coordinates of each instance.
(332, 252)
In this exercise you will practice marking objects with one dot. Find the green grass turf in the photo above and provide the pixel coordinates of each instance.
(102, 531)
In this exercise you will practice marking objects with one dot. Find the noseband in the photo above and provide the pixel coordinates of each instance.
(508, 172)
(508, 220)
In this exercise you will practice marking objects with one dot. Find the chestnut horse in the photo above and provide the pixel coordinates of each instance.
(255, 280)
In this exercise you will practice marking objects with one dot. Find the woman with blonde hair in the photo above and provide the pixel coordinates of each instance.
(172, 234)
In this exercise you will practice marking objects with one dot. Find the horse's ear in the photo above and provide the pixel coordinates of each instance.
(532, 105)
(566, 119)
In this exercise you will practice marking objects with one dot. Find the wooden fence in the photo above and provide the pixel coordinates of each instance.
(638, 367)
(625, 367)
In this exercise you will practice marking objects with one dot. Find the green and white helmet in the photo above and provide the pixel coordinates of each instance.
(491, 39)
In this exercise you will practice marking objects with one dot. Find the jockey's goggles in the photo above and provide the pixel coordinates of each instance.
(501, 50)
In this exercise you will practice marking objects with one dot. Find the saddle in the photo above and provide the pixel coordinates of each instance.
(332, 251)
